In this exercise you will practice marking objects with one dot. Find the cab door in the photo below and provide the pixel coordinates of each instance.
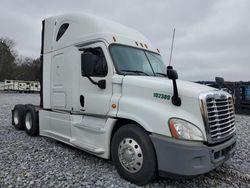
(95, 89)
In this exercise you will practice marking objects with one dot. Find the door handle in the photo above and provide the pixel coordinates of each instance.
(82, 100)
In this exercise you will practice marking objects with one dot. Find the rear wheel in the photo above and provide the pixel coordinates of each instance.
(133, 154)
(31, 121)
(18, 114)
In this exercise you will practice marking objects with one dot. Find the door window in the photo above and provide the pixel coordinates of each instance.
(93, 63)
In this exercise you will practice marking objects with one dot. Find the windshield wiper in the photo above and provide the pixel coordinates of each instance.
(162, 74)
(135, 71)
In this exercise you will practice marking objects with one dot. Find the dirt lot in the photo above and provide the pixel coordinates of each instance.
(42, 162)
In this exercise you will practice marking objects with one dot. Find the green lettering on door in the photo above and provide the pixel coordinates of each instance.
(162, 96)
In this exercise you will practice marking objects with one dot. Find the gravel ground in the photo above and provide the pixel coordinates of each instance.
(42, 162)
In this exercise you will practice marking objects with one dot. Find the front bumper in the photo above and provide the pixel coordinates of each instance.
(189, 158)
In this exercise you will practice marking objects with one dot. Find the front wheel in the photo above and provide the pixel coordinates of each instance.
(133, 154)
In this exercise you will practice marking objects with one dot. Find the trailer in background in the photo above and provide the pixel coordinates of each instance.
(1, 86)
(240, 92)
(22, 86)
(242, 97)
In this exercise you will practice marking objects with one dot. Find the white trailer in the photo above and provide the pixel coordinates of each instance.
(8, 85)
(22, 86)
(33, 86)
(105, 89)
(1, 86)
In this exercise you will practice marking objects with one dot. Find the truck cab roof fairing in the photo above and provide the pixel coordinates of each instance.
(85, 27)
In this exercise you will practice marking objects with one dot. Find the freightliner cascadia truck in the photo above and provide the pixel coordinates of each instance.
(106, 90)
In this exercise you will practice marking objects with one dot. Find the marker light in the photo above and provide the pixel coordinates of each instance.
(114, 39)
(172, 129)
(114, 105)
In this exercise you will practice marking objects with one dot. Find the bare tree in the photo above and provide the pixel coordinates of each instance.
(14, 66)
(6, 58)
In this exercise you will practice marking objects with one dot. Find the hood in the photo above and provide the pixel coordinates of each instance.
(147, 100)
(165, 85)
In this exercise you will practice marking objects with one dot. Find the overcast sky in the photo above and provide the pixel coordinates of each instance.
(212, 36)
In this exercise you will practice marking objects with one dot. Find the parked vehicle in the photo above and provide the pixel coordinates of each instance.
(1, 86)
(106, 90)
(22, 86)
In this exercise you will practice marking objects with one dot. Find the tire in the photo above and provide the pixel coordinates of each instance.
(18, 114)
(31, 121)
(131, 140)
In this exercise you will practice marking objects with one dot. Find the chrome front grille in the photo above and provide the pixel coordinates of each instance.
(218, 115)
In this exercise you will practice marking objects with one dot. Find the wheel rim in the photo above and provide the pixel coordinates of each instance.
(130, 155)
(16, 117)
(28, 121)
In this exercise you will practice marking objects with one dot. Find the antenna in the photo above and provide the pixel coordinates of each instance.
(172, 75)
(171, 52)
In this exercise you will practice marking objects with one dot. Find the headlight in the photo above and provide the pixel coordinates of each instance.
(182, 129)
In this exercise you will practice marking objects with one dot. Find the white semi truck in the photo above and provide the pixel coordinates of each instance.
(106, 90)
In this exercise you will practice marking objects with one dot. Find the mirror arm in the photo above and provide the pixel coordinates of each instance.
(176, 100)
(101, 83)
(92, 81)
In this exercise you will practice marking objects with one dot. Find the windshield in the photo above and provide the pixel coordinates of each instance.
(129, 60)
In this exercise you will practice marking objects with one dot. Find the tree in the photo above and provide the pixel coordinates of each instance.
(27, 69)
(6, 59)
(16, 67)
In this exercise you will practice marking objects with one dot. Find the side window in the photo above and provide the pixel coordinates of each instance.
(93, 63)
(62, 30)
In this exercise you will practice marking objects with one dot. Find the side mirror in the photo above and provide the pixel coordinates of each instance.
(219, 81)
(94, 65)
(171, 73)
(102, 84)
